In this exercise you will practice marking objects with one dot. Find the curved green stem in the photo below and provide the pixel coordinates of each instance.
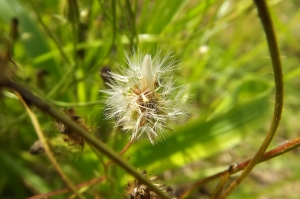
(277, 69)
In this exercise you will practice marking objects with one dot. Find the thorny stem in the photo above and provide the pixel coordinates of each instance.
(48, 152)
(284, 148)
(277, 69)
(28, 96)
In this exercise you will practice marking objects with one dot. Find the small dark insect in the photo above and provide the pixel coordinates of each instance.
(41, 78)
(104, 74)
(71, 137)
(14, 32)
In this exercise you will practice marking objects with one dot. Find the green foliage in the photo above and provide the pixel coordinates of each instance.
(222, 55)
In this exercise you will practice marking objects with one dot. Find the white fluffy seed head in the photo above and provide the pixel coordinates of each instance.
(143, 100)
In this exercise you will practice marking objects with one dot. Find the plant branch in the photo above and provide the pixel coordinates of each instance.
(48, 152)
(29, 97)
(277, 69)
(282, 149)
(126, 147)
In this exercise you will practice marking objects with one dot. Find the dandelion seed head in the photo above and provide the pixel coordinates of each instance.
(143, 99)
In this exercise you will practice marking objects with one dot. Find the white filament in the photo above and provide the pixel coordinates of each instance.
(147, 73)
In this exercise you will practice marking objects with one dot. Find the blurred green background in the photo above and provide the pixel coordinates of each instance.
(223, 56)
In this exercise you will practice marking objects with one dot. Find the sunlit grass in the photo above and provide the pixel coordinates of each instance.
(223, 56)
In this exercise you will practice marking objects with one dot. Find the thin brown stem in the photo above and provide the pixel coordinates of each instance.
(65, 190)
(284, 148)
(278, 79)
(48, 152)
(220, 186)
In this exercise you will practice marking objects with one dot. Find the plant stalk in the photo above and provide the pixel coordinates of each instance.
(29, 97)
(278, 79)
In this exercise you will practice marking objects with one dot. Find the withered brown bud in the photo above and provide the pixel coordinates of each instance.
(136, 190)
(71, 137)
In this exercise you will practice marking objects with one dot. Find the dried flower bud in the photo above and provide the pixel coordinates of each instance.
(69, 136)
(144, 98)
(136, 190)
